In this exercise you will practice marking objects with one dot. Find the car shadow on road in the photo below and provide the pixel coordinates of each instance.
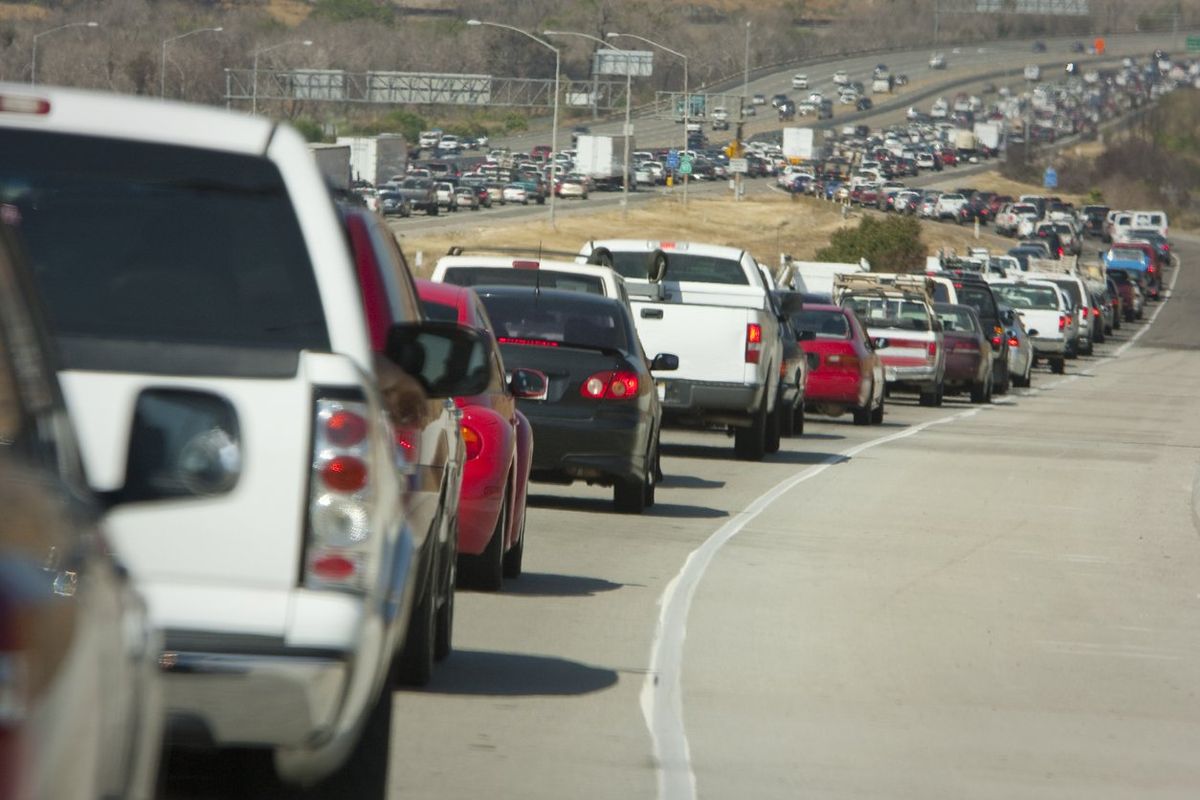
(490, 673)
(726, 453)
(670, 481)
(596, 505)
(546, 584)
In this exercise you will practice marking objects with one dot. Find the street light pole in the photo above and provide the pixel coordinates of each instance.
(36, 36)
(687, 100)
(628, 108)
(162, 86)
(257, 53)
(557, 78)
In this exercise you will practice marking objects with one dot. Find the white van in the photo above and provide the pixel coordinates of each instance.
(1146, 220)
(800, 81)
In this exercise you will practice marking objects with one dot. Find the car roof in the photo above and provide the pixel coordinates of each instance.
(116, 116)
(558, 297)
(508, 262)
(650, 245)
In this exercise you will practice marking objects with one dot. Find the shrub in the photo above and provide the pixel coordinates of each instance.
(892, 244)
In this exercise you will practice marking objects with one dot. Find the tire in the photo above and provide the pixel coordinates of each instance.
(787, 425)
(364, 775)
(749, 444)
(774, 429)
(653, 473)
(980, 392)
(515, 555)
(862, 415)
(629, 495)
(433, 210)
(877, 413)
(486, 570)
(414, 667)
(443, 627)
(1058, 366)
(798, 421)
(1005, 382)
(933, 398)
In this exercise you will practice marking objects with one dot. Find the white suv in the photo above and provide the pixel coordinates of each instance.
(800, 81)
(950, 206)
(215, 359)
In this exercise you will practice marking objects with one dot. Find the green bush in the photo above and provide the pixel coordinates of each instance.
(309, 129)
(892, 244)
(350, 10)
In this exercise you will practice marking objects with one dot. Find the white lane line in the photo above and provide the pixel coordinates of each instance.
(661, 696)
(662, 692)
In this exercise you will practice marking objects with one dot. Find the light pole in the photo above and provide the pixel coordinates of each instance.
(554, 121)
(257, 53)
(687, 101)
(162, 86)
(628, 91)
(746, 68)
(36, 36)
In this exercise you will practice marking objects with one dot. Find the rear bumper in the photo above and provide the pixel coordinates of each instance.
(600, 448)
(911, 374)
(833, 387)
(684, 398)
(1044, 347)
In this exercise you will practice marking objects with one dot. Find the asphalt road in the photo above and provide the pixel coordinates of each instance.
(984, 602)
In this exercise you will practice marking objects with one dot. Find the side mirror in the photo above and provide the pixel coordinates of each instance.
(656, 267)
(448, 360)
(806, 336)
(665, 362)
(529, 384)
(880, 343)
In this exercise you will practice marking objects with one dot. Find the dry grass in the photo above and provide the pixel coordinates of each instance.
(23, 12)
(289, 12)
(767, 226)
(993, 181)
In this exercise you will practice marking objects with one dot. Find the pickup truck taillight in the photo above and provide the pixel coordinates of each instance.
(1085, 312)
(1063, 321)
(339, 511)
(753, 342)
(932, 350)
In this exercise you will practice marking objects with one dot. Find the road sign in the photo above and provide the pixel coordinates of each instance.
(739, 165)
(1050, 178)
(685, 165)
(1193, 44)
(673, 159)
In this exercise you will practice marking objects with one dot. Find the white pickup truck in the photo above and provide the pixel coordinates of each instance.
(712, 306)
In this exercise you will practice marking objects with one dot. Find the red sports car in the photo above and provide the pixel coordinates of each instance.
(499, 444)
(844, 373)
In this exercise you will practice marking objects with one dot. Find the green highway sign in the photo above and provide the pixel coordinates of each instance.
(1193, 44)
(685, 165)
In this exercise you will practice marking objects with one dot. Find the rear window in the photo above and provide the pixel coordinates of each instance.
(509, 276)
(1072, 290)
(155, 244)
(825, 324)
(1041, 298)
(958, 319)
(980, 299)
(890, 312)
(439, 312)
(523, 318)
(684, 267)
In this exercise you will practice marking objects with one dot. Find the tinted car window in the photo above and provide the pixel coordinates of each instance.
(158, 244)
(980, 299)
(825, 324)
(439, 312)
(684, 267)
(1036, 297)
(520, 317)
(506, 276)
(957, 320)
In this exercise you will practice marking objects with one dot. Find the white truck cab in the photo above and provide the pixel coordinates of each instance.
(712, 306)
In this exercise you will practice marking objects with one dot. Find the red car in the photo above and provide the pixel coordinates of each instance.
(968, 352)
(845, 373)
(499, 451)
(949, 157)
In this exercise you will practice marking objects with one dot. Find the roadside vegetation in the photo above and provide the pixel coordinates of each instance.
(890, 242)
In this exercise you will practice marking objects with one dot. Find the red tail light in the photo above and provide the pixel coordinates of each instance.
(1063, 321)
(933, 349)
(527, 342)
(1084, 312)
(1014, 341)
(997, 341)
(753, 342)
(472, 441)
(844, 362)
(1150, 269)
(340, 525)
(1060, 252)
(618, 385)
(1095, 311)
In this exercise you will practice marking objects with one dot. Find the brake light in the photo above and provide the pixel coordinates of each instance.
(1062, 322)
(527, 342)
(997, 341)
(1150, 269)
(1084, 312)
(615, 385)
(1095, 311)
(525, 264)
(1014, 341)
(932, 350)
(1060, 252)
(472, 441)
(753, 342)
(340, 544)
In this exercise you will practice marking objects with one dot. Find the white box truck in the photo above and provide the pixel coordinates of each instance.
(376, 159)
(988, 136)
(334, 162)
(801, 145)
(602, 159)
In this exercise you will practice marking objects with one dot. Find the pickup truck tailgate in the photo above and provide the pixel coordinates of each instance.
(705, 326)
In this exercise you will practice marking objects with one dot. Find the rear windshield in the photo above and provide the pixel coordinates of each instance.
(684, 267)
(958, 319)
(825, 324)
(1072, 290)
(1127, 254)
(156, 244)
(890, 313)
(522, 318)
(439, 312)
(508, 276)
(1041, 298)
(980, 299)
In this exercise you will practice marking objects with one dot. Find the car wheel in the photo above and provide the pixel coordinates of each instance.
(433, 210)
(1005, 381)
(443, 639)
(932, 396)
(515, 555)
(1100, 335)
(877, 414)
(1058, 366)
(486, 570)
(798, 421)
(774, 432)
(414, 667)
(749, 444)
(862, 415)
(629, 495)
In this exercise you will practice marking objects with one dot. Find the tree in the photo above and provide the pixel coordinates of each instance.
(890, 245)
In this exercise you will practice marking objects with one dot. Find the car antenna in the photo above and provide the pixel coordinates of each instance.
(537, 276)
